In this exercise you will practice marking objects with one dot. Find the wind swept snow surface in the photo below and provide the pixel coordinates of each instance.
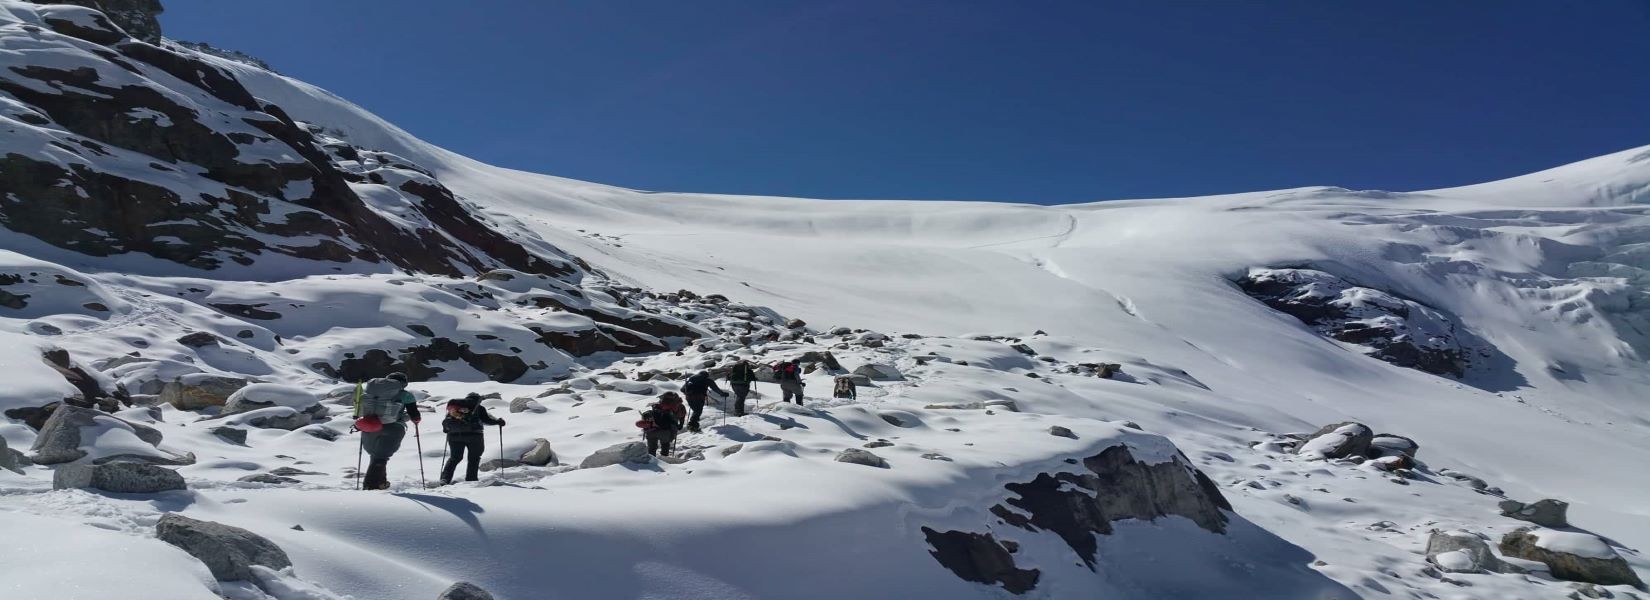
(1069, 402)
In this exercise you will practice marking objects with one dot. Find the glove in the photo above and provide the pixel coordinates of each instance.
(501, 422)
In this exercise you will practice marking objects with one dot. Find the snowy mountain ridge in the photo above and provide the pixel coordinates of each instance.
(177, 226)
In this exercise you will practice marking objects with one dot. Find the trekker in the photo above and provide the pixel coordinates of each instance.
(465, 427)
(660, 422)
(845, 388)
(740, 379)
(789, 375)
(382, 408)
(697, 389)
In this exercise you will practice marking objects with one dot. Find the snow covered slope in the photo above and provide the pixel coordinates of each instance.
(550, 293)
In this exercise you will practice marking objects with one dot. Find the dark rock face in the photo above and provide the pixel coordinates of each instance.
(229, 552)
(1613, 570)
(415, 361)
(980, 558)
(464, 590)
(1397, 330)
(1077, 506)
(138, 18)
(1546, 513)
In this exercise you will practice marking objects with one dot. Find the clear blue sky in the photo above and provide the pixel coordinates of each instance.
(1034, 101)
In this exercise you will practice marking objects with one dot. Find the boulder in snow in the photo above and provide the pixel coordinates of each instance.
(1546, 513)
(878, 372)
(9, 459)
(1340, 440)
(1059, 431)
(266, 395)
(119, 477)
(277, 417)
(540, 454)
(62, 439)
(1387, 444)
(1571, 555)
(628, 386)
(233, 435)
(229, 552)
(1463, 552)
(861, 457)
(464, 590)
(525, 404)
(1007, 405)
(200, 390)
(628, 452)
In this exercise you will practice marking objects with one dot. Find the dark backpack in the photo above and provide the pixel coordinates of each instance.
(742, 373)
(467, 419)
(787, 372)
(658, 418)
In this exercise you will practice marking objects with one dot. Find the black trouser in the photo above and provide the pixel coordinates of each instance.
(381, 445)
(696, 406)
(457, 443)
(659, 441)
(791, 389)
(740, 391)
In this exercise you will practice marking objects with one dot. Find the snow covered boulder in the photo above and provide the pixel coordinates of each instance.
(628, 452)
(11, 460)
(1387, 444)
(1463, 552)
(1572, 555)
(277, 417)
(200, 390)
(1340, 440)
(66, 436)
(540, 454)
(1058, 431)
(525, 404)
(1546, 513)
(120, 478)
(229, 552)
(266, 395)
(1007, 405)
(878, 372)
(861, 457)
(464, 590)
(628, 386)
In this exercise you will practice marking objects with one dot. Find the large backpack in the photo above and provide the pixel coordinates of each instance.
(742, 373)
(658, 418)
(787, 372)
(381, 398)
(467, 419)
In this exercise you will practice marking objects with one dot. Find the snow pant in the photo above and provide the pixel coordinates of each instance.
(380, 446)
(457, 445)
(660, 442)
(696, 407)
(740, 392)
(791, 389)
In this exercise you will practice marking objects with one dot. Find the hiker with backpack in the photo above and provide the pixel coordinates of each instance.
(789, 374)
(661, 422)
(845, 388)
(740, 378)
(697, 389)
(383, 406)
(465, 428)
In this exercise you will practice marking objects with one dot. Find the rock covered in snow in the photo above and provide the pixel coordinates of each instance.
(200, 390)
(879, 372)
(62, 438)
(1058, 431)
(9, 458)
(1387, 444)
(464, 590)
(540, 454)
(266, 395)
(229, 552)
(1463, 552)
(1340, 440)
(1546, 513)
(118, 477)
(861, 457)
(628, 452)
(1571, 555)
(525, 404)
(1008, 405)
(275, 417)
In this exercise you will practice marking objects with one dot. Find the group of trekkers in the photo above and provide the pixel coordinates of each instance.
(383, 407)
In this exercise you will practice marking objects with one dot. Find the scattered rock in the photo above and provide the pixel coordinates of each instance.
(795, 324)
(540, 454)
(199, 339)
(1387, 444)
(878, 444)
(278, 417)
(1340, 440)
(937, 456)
(525, 404)
(731, 450)
(60, 437)
(464, 590)
(861, 457)
(268, 478)
(233, 435)
(628, 452)
(1024, 349)
(9, 458)
(1059, 431)
(495, 464)
(1007, 405)
(1546, 513)
(1571, 555)
(1132, 425)
(199, 390)
(119, 477)
(980, 558)
(878, 372)
(229, 552)
(1463, 552)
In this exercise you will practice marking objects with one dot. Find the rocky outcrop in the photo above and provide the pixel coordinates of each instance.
(1546, 513)
(1464, 552)
(525, 404)
(199, 390)
(60, 439)
(464, 590)
(138, 18)
(628, 452)
(1571, 555)
(229, 552)
(857, 456)
(540, 454)
(876, 372)
(119, 477)
(1076, 506)
(418, 362)
(1338, 440)
(1394, 329)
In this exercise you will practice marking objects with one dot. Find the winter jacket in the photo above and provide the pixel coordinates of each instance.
(467, 416)
(665, 418)
(699, 383)
(787, 372)
(386, 399)
(845, 388)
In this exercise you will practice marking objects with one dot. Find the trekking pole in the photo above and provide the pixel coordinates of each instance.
(360, 444)
(501, 446)
(419, 440)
